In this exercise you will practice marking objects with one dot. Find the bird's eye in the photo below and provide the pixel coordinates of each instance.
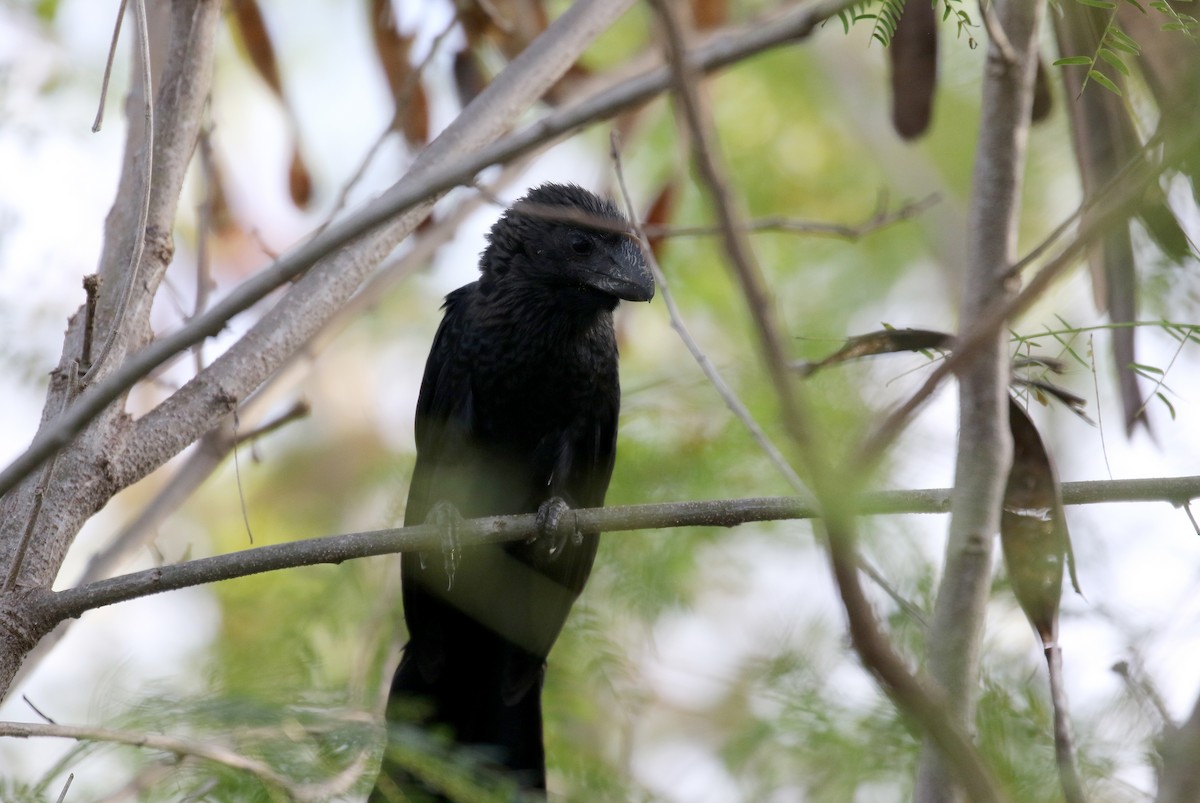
(582, 245)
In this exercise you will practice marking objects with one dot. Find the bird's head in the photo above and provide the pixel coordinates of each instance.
(561, 236)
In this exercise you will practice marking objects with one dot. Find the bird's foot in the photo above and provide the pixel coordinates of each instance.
(553, 530)
(447, 519)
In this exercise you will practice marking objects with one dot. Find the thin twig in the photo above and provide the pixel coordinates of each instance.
(237, 472)
(718, 382)
(1099, 404)
(1187, 508)
(218, 754)
(66, 786)
(1064, 740)
(299, 409)
(201, 791)
(129, 280)
(1142, 689)
(995, 31)
(685, 78)
(108, 64)
(406, 91)
(908, 606)
(840, 231)
(204, 230)
(91, 286)
(37, 710)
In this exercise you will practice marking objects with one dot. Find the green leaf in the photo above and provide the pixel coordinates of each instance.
(1125, 47)
(1104, 81)
(1072, 60)
(1170, 407)
(1121, 41)
(1115, 60)
(1097, 4)
(1146, 369)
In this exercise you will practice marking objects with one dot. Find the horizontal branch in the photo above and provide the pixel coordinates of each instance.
(881, 219)
(179, 746)
(70, 603)
(718, 53)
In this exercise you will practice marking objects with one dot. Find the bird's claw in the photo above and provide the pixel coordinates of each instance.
(552, 534)
(447, 519)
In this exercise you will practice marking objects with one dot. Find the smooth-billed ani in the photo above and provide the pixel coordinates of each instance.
(517, 414)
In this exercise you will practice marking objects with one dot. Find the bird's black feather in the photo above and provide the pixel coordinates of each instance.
(518, 405)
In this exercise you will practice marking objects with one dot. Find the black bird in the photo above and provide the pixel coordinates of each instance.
(517, 414)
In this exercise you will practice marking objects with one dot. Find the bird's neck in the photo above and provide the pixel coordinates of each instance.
(565, 311)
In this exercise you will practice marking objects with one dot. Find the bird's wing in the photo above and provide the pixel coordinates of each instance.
(444, 420)
(445, 412)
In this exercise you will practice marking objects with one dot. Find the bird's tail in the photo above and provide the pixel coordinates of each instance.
(460, 730)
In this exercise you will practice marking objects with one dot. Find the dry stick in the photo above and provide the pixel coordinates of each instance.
(50, 607)
(108, 64)
(1141, 687)
(129, 280)
(868, 638)
(410, 83)
(721, 51)
(1064, 740)
(66, 786)
(840, 231)
(684, 75)
(718, 382)
(91, 286)
(204, 215)
(186, 747)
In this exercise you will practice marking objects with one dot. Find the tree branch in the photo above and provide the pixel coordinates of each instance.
(51, 607)
(984, 442)
(82, 486)
(881, 219)
(218, 754)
